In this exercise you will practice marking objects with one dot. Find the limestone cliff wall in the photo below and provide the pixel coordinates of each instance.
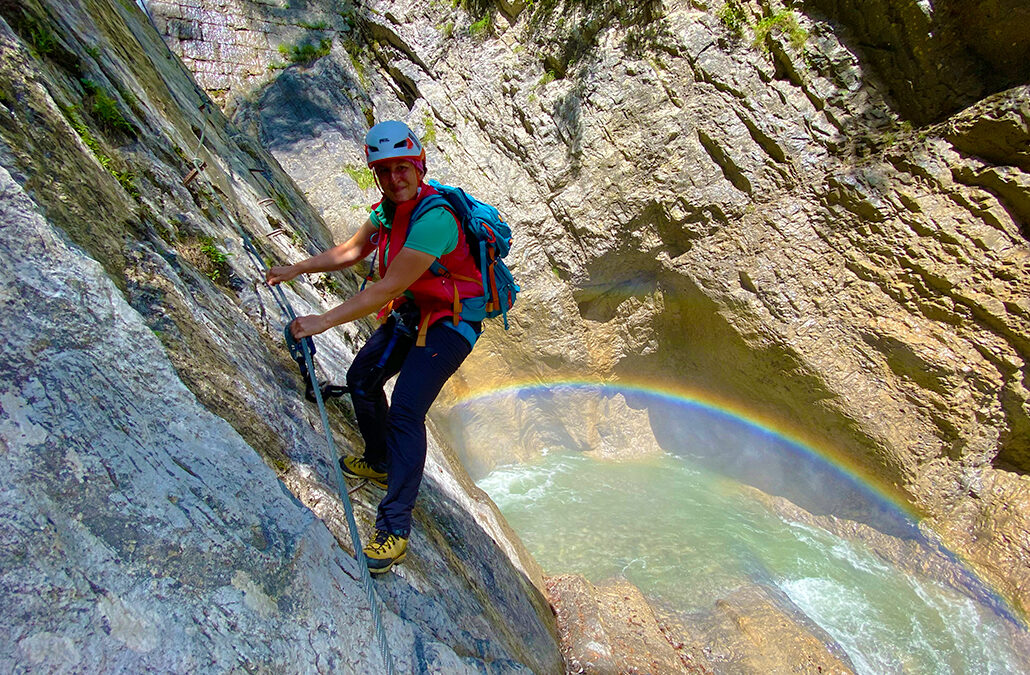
(167, 494)
(763, 202)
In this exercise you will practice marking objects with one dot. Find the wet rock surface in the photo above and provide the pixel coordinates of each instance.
(756, 629)
(611, 628)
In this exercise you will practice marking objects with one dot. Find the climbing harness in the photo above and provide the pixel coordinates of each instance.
(403, 333)
(302, 351)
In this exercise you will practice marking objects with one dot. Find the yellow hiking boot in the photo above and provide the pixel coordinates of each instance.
(357, 467)
(384, 551)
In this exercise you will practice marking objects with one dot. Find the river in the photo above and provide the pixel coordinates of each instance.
(721, 507)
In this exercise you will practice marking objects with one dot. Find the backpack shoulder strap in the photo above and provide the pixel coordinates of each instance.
(430, 202)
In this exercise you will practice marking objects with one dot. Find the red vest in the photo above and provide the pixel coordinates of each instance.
(436, 295)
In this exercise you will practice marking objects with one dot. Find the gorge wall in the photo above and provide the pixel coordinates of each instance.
(816, 211)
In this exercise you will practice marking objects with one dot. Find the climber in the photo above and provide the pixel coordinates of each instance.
(422, 340)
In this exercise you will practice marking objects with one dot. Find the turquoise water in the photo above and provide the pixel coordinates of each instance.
(689, 527)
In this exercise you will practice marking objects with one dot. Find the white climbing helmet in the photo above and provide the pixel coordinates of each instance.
(393, 140)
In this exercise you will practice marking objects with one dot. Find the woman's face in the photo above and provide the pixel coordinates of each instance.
(398, 179)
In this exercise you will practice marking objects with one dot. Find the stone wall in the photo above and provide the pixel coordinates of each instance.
(234, 45)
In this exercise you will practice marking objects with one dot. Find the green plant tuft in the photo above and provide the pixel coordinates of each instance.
(104, 108)
(733, 17)
(282, 203)
(784, 22)
(483, 27)
(106, 111)
(360, 175)
(42, 40)
(430, 125)
(305, 52)
(328, 285)
(218, 261)
(354, 52)
(127, 179)
(318, 25)
(72, 113)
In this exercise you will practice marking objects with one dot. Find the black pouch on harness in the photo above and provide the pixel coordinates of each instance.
(403, 326)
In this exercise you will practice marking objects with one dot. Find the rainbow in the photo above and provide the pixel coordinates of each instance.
(811, 447)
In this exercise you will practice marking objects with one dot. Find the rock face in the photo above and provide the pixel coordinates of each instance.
(745, 199)
(141, 532)
(162, 473)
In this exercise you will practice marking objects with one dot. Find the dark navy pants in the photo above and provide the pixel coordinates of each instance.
(395, 432)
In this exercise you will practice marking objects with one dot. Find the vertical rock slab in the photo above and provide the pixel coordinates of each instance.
(139, 531)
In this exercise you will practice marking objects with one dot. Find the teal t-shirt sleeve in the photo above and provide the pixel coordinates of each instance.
(377, 217)
(435, 232)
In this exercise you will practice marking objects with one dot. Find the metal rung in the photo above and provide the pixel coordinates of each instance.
(266, 201)
(275, 232)
(193, 173)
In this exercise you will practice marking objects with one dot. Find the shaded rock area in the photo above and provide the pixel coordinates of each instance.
(937, 58)
(611, 628)
(167, 494)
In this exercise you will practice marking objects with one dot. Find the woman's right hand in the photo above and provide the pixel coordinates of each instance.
(278, 275)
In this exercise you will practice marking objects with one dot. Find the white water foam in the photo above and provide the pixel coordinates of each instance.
(846, 616)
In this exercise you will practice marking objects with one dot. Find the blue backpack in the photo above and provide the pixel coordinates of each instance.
(489, 240)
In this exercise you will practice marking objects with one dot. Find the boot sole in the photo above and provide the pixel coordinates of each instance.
(384, 570)
(374, 481)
